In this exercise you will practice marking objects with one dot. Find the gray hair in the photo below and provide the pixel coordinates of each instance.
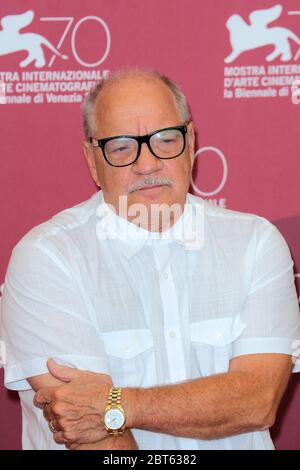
(88, 106)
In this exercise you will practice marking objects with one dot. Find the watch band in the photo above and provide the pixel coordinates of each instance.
(114, 396)
(114, 402)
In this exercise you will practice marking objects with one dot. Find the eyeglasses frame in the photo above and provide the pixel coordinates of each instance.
(140, 139)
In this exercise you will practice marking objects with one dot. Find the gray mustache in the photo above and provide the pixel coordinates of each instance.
(150, 181)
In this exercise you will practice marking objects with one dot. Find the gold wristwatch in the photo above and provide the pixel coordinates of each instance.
(114, 415)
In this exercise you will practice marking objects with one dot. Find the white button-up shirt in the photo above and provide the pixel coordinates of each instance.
(96, 292)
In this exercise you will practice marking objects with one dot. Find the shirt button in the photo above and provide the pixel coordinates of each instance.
(172, 334)
(165, 276)
(127, 349)
(219, 336)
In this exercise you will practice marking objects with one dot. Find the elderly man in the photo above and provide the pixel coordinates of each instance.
(170, 322)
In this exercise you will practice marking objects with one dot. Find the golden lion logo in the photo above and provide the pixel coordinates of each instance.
(11, 40)
(245, 37)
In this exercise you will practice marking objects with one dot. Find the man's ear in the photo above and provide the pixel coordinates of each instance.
(90, 159)
(191, 142)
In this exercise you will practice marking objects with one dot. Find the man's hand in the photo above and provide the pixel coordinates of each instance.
(75, 409)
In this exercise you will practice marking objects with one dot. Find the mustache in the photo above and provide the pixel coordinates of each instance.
(150, 181)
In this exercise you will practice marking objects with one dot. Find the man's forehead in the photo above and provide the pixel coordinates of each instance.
(136, 104)
(128, 90)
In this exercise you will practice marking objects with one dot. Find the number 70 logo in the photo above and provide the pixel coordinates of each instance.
(69, 20)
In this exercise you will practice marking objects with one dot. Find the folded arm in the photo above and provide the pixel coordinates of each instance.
(242, 400)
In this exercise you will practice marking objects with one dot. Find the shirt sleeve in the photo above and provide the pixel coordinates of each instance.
(271, 309)
(45, 315)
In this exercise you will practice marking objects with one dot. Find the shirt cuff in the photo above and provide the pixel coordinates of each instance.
(15, 377)
(267, 345)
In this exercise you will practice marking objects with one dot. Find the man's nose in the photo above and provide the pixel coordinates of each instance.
(147, 163)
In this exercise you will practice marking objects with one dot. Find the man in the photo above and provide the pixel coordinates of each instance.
(173, 321)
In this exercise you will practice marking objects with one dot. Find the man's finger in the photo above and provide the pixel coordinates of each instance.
(48, 414)
(44, 396)
(63, 373)
(59, 439)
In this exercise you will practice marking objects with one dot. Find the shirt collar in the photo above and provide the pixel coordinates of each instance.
(188, 231)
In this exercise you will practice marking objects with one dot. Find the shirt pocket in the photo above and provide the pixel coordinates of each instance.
(212, 342)
(131, 357)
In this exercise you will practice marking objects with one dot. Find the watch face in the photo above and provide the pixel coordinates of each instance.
(114, 419)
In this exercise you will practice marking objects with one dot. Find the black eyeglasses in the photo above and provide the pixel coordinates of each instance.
(123, 150)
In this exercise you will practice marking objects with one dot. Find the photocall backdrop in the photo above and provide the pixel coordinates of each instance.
(243, 95)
